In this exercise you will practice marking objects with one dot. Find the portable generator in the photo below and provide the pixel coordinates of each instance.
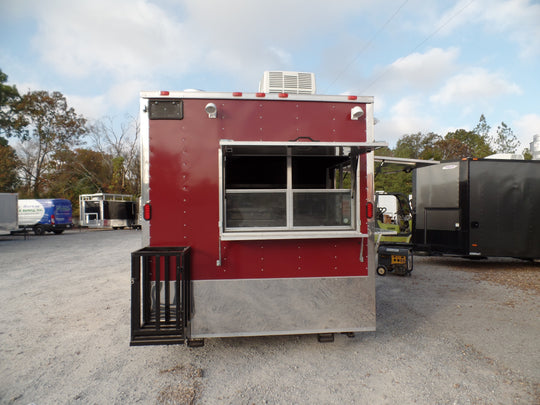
(395, 257)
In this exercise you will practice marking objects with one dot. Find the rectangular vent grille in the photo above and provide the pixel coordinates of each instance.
(288, 82)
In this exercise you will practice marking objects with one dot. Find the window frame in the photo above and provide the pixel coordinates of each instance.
(290, 231)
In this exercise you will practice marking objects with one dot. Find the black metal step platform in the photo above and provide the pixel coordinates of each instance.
(160, 295)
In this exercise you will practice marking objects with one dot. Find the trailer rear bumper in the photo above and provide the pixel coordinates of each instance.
(260, 307)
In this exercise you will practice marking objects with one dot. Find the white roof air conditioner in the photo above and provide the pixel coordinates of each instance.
(287, 82)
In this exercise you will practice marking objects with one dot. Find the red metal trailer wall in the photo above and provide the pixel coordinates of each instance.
(184, 187)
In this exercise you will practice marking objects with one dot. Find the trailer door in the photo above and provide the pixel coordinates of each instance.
(502, 201)
(437, 217)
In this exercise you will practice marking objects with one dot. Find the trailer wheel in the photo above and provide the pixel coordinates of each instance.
(39, 229)
(410, 263)
(381, 271)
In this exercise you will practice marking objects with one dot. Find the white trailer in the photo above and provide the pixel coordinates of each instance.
(102, 210)
(8, 213)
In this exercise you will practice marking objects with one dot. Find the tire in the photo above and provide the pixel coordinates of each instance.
(39, 229)
(381, 271)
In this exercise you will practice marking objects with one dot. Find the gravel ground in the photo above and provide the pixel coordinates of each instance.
(455, 332)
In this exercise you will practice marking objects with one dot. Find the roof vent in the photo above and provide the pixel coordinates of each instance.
(287, 82)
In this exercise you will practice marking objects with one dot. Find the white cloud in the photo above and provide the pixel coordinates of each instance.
(525, 127)
(133, 37)
(123, 95)
(407, 116)
(89, 107)
(517, 19)
(520, 19)
(475, 86)
(421, 71)
(244, 38)
(142, 38)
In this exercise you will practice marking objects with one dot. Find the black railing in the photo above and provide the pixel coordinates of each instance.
(160, 295)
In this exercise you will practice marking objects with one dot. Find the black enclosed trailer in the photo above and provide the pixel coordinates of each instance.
(478, 208)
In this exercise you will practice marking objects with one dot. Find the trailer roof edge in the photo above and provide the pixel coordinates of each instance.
(344, 98)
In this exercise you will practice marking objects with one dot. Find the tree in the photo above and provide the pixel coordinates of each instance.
(393, 177)
(9, 164)
(394, 180)
(77, 172)
(482, 129)
(51, 126)
(120, 149)
(10, 122)
(527, 155)
(505, 140)
(417, 146)
(462, 144)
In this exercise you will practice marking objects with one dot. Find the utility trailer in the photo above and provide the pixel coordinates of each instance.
(8, 213)
(478, 208)
(258, 216)
(102, 210)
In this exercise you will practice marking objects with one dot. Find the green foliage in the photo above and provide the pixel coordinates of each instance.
(392, 178)
(482, 129)
(118, 175)
(52, 127)
(72, 173)
(454, 145)
(396, 181)
(120, 148)
(417, 146)
(9, 164)
(464, 144)
(505, 140)
(10, 122)
(49, 161)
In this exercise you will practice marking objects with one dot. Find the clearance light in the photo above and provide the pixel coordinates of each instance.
(164, 93)
(260, 94)
(352, 98)
(369, 210)
(283, 95)
(237, 94)
(147, 213)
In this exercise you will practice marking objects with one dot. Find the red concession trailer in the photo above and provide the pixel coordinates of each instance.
(258, 214)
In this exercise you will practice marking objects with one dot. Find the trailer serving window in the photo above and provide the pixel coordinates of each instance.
(287, 190)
